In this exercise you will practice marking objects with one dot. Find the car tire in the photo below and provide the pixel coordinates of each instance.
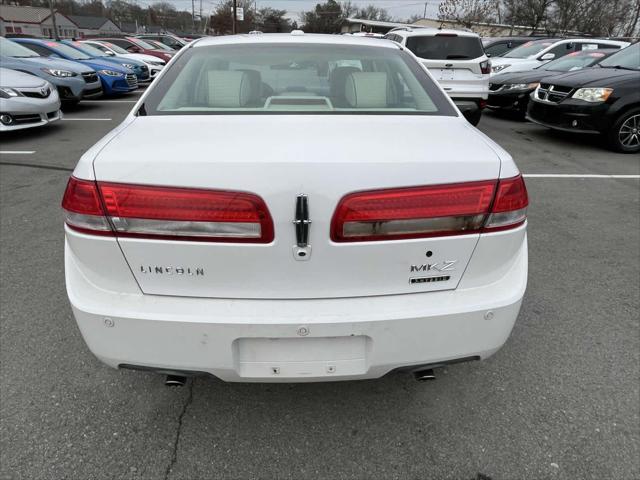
(624, 135)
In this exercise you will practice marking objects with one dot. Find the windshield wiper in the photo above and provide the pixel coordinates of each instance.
(457, 57)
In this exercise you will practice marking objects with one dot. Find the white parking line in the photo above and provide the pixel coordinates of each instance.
(574, 175)
(66, 119)
(17, 152)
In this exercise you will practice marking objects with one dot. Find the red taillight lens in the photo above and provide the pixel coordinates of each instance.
(412, 212)
(485, 67)
(421, 212)
(510, 206)
(180, 213)
(83, 208)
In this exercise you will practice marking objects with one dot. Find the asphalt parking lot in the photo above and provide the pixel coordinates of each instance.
(561, 400)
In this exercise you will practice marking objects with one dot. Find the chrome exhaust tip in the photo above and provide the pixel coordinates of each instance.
(424, 375)
(175, 381)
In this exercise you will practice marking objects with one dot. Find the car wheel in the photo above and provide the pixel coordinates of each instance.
(624, 136)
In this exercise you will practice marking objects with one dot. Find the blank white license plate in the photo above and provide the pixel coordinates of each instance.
(446, 74)
(301, 357)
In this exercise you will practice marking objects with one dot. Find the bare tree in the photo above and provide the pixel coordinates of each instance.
(371, 12)
(529, 13)
(468, 12)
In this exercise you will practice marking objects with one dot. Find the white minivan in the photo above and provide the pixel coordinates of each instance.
(456, 59)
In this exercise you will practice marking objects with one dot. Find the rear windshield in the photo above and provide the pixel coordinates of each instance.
(445, 47)
(527, 49)
(295, 78)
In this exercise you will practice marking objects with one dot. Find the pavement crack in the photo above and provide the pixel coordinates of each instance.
(176, 442)
(36, 165)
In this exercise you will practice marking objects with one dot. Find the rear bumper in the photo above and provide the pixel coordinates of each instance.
(295, 340)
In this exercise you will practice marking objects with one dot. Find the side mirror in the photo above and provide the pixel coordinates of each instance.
(110, 53)
(55, 55)
(488, 55)
(548, 56)
(133, 49)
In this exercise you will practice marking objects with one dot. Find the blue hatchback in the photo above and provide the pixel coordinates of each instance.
(115, 78)
(138, 67)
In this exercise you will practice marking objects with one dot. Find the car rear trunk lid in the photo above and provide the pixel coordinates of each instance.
(279, 158)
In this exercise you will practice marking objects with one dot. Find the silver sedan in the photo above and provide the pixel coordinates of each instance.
(26, 101)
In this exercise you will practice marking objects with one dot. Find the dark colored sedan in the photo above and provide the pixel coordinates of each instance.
(602, 100)
(511, 91)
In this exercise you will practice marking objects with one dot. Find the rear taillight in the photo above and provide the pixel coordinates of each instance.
(509, 209)
(169, 213)
(485, 67)
(83, 209)
(421, 212)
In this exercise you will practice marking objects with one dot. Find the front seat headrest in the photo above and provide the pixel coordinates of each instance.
(228, 89)
(367, 89)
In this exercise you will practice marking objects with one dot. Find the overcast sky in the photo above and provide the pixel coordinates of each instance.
(400, 9)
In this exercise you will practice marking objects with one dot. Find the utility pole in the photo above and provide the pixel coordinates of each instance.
(425, 10)
(235, 7)
(193, 15)
(53, 19)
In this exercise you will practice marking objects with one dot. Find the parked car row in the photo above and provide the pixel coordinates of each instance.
(68, 71)
(509, 73)
(464, 64)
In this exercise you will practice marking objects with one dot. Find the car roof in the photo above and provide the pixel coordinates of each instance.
(298, 38)
(506, 39)
(580, 39)
(546, 40)
(430, 32)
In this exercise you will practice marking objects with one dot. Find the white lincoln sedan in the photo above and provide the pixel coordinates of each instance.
(315, 209)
